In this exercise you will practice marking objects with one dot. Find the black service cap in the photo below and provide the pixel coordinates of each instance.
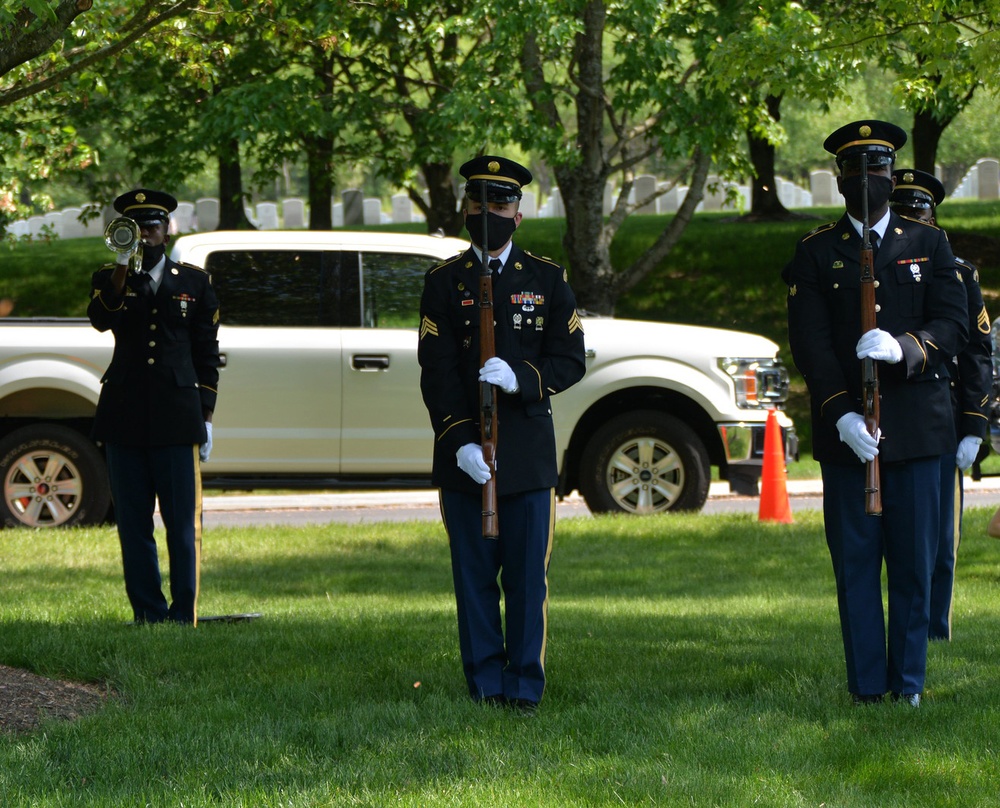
(504, 178)
(146, 206)
(916, 189)
(879, 139)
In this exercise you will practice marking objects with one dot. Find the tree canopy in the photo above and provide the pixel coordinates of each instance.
(590, 93)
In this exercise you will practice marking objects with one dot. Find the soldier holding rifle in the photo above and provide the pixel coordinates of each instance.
(539, 352)
(916, 196)
(921, 321)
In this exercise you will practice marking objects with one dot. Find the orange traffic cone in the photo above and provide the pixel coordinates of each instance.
(774, 504)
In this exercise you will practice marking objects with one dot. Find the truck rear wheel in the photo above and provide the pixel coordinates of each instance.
(644, 462)
(52, 477)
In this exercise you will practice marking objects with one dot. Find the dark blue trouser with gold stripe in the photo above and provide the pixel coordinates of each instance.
(884, 654)
(943, 577)
(511, 667)
(139, 476)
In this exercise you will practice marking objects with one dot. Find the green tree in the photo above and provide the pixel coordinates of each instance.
(45, 46)
(610, 89)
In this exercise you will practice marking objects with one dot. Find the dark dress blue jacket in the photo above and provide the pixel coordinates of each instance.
(165, 369)
(920, 299)
(538, 333)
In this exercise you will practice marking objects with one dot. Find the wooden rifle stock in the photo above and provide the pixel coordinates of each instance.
(869, 370)
(487, 392)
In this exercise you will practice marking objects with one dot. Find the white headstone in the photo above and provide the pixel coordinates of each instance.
(338, 214)
(294, 211)
(823, 187)
(54, 221)
(607, 200)
(712, 200)
(373, 211)
(645, 184)
(555, 203)
(267, 216)
(182, 219)
(354, 207)
(94, 226)
(206, 211)
(669, 202)
(402, 208)
(529, 204)
(72, 226)
(989, 178)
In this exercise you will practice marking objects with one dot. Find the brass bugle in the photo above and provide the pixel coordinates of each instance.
(122, 235)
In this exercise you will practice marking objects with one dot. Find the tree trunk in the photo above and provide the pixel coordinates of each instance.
(441, 211)
(586, 241)
(232, 214)
(927, 131)
(319, 158)
(587, 238)
(764, 202)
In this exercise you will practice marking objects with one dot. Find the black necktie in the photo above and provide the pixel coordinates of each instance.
(876, 240)
(495, 265)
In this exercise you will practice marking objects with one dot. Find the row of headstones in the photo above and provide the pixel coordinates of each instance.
(982, 181)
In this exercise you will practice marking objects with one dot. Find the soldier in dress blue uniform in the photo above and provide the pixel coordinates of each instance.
(539, 352)
(916, 196)
(922, 322)
(155, 409)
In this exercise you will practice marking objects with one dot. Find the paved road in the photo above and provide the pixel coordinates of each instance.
(380, 506)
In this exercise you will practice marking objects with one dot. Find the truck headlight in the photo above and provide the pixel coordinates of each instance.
(758, 383)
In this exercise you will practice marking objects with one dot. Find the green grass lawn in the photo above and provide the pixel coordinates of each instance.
(692, 661)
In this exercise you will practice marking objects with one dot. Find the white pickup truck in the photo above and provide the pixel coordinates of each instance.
(319, 388)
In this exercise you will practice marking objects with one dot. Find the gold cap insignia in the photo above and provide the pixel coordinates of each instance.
(908, 176)
(140, 198)
(865, 130)
(494, 167)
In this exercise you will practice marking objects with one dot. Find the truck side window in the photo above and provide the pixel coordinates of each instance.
(391, 288)
(276, 287)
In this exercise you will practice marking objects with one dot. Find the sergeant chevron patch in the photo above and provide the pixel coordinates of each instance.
(574, 323)
(428, 326)
(983, 321)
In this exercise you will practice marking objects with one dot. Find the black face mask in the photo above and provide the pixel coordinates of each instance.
(879, 189)
(151, 255)
(500, 229)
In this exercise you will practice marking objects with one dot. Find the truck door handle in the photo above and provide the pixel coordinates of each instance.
(223, 359)
(370, 362)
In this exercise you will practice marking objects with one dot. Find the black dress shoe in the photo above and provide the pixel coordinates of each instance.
(861, 701)
(526, 706)
(912, 699)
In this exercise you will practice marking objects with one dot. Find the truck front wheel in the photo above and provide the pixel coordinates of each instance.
(52, 477)
(644, 462)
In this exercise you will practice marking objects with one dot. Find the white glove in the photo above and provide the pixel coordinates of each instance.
(122, 258)
(968, 448)
(854, 433)
(879, 344)
(498, 372)
(470, 460)
(205, 449)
